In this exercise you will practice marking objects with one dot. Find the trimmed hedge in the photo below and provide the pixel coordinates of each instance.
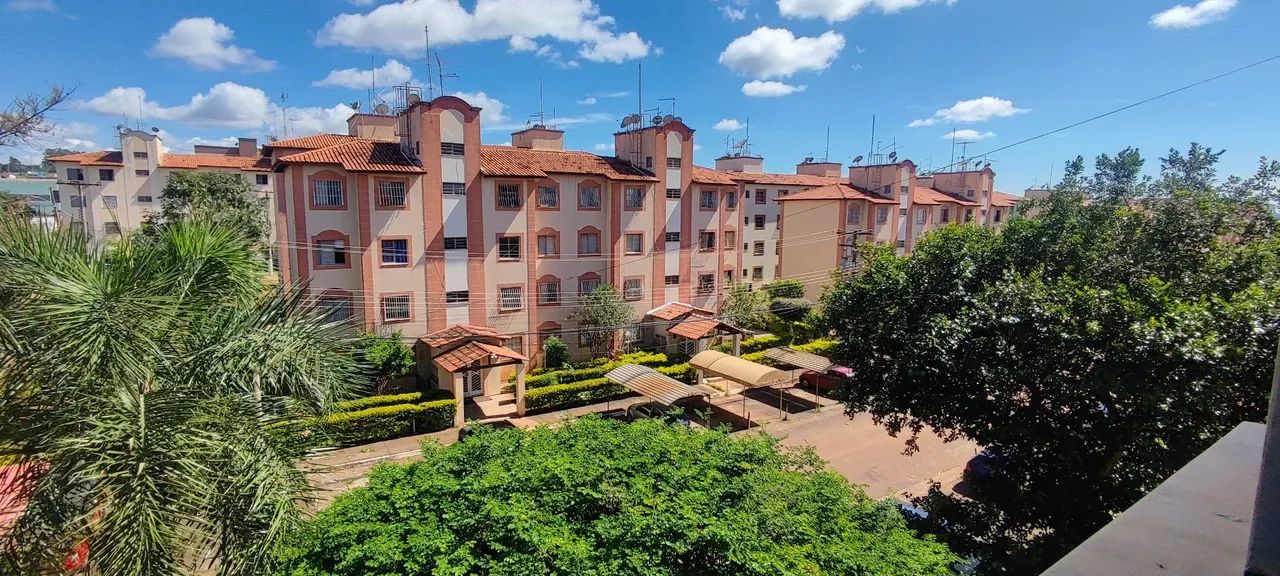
(370, 424)
(391, 400)
(819, 347)
(596, 369)
(750, 345)
(682, 372)
(576, 394)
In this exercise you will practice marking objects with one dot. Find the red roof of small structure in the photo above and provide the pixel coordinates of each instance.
(933, 196)
(1003, 199)
(359, 155)
(673, 310)
(458, 332)
(529, 163)
(698, 327)
(99, 158)
(466, 354)
(837, 192)
(248, 163)
(702, 175)
(313, 141)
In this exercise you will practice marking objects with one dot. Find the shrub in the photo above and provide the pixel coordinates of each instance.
(750, 345)
(791, 309)
(819, 347)
(682, 372)
(376, 401)
(369, 425)
(597, 370)
(785, 289)
(575, 394)
(555, 352)
(388, 356)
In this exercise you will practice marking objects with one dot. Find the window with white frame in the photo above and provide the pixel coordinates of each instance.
(759, 221)
(673, 193)
(757, 273)
(707, 241)
(327, 193)
(673, 162)
(548, 245)
(106, 174)
(672, 236)
(731, 200)
(452, 149)
(589, 198)
(549, 293)
(882, 215)
(509, 248)
(634, 243)
(671, 280)
(922, 214)
(707, 200)
(395, 251)
(853, 216)
(457, 297)
(391, 194)
(635, 198)
(730, 239)
(77, 201)
(331, 252)
(510, 298)
(261, 179)
(588, 243)
(455, 242)
(761, 195)
(334, 308)
(757, 248)
(946, 215)
(706, 283)
(454, 189)
(110, 201)
(509, 196)
(75, 174)
(548, 197)
(397, 308)
(587, 286)
(632, 288)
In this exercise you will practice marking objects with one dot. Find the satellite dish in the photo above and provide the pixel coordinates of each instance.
(668, 118)
(355, 105)
(155, 130)
(977, 163)
(893, 156)
(414, 98)
(679, 119)
(808, 159)
(657, 120)
(857, 159)
(382, 109)
(987, 165)
(120, 127)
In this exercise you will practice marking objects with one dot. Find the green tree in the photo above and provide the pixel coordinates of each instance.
(135, 382)
(224, 198)
(386, 356)
(555, 353)
(599, 497)
(1096, 348)
(744, 307)
(27, 116)
(600, 315)
(14, 165)
(10, 204)
(785, 288)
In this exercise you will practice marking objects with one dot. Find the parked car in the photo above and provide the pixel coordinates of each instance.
(981, 466)
(470, 429)
(829, 380)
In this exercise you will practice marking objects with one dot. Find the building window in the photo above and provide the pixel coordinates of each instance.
(757, 273)
(391, 194)
(707, 200)
(111, 228)
(588, 243)
(946, 215)
(75, 174)
(548, 197)
(452, 149)
(549, 293)
(731, 200)
(139, 154)
(761, 195)
(672, 280)
(757, 249)
(327, 193)
(882, 214)
(587, 286)
(853, 216)
(634, 199)
(673, 236)
(261, 179)
(397, 308)
(106, 175)
(509, 196)
(589, 198)
(968, 193)
(110, 201)
(730, 239)
(996, 216)
(706, 283)
(922, 214)
(144, 199)
(331, 252)
(648, 161)
(782, 193)
(968, 214)
(141, 172)
(454, 189)
(632, 288)
(904, 189)
(334, 308)
(548, 245)
(759, 221)
(455, 243)
(395, 251)
(77, 202)
(673, 193)
(515, 343)
(635, 243)
(509, 248)
(457, 297)
(728, 277)
(510, 298)
(673, 162)
(706, 241)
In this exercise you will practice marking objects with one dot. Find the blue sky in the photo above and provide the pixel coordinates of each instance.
(1002, 70)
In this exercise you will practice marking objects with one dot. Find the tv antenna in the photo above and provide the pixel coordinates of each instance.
(826, 150)
(284, 117)
(441, 73)
(431, 90)
(673, 104)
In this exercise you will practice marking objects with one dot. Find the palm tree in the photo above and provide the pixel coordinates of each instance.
(135, 383)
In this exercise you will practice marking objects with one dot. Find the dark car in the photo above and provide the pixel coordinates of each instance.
(981, 466)
(829, 380)
(470, 429)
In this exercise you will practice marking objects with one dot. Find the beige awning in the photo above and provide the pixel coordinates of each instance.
(650, 383)
(798, 359)
(744, 372)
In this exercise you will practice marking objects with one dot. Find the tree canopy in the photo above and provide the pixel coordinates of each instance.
(601, 313)
(1095, 346)
(26, 116)
(595, 496)
(223, 198)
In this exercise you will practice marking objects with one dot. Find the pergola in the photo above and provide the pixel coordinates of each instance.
(745, 372)
(652, 384)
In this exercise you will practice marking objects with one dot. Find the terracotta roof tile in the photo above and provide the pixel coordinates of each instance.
(526, 163)
(1003, 199)
(673, 310)
(358, 155)
(933, 196)
(458, 332)
(251, 163)
(313, 141)
(99, 158)
(703, 175)
(470, 352)
(837, 192)
(699, 327)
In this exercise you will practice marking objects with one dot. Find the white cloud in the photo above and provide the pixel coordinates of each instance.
(492, 110)
(971, 135)
(198, 141)
(602, 147)
(970, 111)
(776, 52)
(555, 57)
(205, 43)
(397, 27)
(727, 125)
(588, 101)
(226, 105)
(770, 89)
(388, 74)
(30, 5)
(839, 10)
(733, 14)
(620, 94)
(1203, 12)
(362, 2)
(559, 121)
(314, 119)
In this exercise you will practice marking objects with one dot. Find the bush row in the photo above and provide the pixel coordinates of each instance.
(750, 345)
(391, 400)
(369, 424)
(597, 369)
(560, 396)
(820, 347)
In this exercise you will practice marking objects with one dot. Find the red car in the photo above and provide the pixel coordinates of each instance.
(829, 380)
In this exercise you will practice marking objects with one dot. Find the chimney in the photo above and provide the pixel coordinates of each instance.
(538, 137)
(740, 163)
(248, 147)
(811, 168)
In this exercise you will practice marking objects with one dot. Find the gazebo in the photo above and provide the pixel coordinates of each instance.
(745, 372)
(466, 359)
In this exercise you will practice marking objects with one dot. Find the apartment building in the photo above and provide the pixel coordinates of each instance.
(882, 204)
(108, 192)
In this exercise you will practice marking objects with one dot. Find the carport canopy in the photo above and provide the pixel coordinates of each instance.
(650, 383)
(806, 360)
(745, 372)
